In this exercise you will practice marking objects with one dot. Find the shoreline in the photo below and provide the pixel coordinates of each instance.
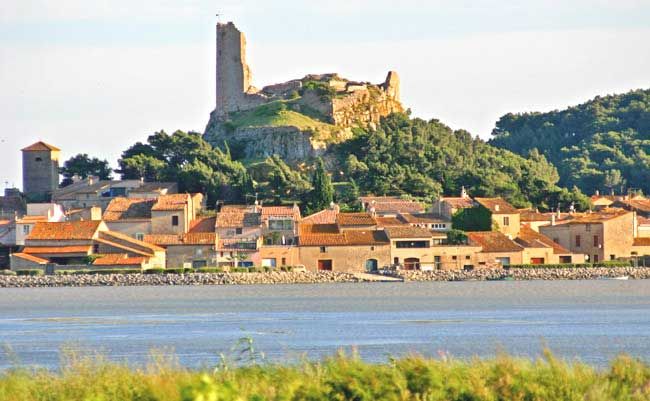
(196, 279)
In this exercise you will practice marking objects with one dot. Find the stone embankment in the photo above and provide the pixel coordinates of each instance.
(526, 274)
(90, 280)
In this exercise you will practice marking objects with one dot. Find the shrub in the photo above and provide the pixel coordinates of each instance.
(113, 271)
(209, 270)
(286, 268)
(155, 270)
(611, 263)
(179, 270)
(30, 272)
(7, 273)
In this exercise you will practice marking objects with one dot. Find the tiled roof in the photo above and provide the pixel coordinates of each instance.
(171, 202)
(329, 235)
(458, 202)
(426, 218)
(643, 221)
(641, 205)
(42, 250)
(30, 258)
(31, 219)
(641, 241)
(355, 219)
(496, 205)
(132, 242)
(493, 241)
(530, 238)
(119, 259)
(128, 209)
(596, 217)
(182, 239)
(153, 187)
(389, 221)
(280, 211)
(203, 225)
(407, 232)
(69, 230)
(378, 199)
(326, 216)
(237, 218)
(40, 146)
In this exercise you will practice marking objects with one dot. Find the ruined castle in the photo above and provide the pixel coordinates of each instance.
(295, 119)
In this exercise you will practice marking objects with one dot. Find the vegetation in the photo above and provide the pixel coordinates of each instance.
(277, 114)
(427, 159)
(603, 144)
(472, 219)
(29, 272)
(190, 161)
(336, 378)
(608, 263)
(322, 193)
(84, 166)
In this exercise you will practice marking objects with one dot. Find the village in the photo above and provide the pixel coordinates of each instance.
(93, 225)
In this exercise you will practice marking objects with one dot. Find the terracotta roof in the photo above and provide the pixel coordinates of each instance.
(394, 204)
(40, 146)
(30, 258)
(643, 221)
(641, 241)
(31, 219)
(389, 221)
(153, 187)
(458, 202)
(407, 232)
(595, 217)
(182, 239)
(326, 216)
(377, 199)
(112, 236)
(426, 218)
(530, 238)
(203, 225)
(235, 218)
(41, 250)
(119, 259)
(329, 235)
(641, 205)
(171, 202)
(128, 209)
(69, 230)
(496, 205)
(355, 219)
(493, 241)
(280, 211)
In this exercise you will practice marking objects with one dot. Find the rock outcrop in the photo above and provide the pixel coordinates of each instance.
(312, 112)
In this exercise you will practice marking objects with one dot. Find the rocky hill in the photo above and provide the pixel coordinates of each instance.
(297, 119)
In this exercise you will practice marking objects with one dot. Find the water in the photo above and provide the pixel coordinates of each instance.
(588, 320)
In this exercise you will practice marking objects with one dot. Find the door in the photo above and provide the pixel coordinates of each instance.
(325, 264)
(505, 261)
(371, 265)
(411, 264)
(537, 261)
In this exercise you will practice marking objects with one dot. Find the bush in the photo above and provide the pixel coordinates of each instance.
(209, 270)
(286, 268)
(179, 270)
(7, 273)
(610, 263)
(30, 272)
(155, 270)
(113, 271)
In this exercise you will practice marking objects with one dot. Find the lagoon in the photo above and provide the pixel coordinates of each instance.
(592, 321)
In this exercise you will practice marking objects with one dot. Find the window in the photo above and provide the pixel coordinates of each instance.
(453, 257)
(174, 221)
(95, 248)
(285, 225)
(323, 249)
(26, 230)
(467, 257)
(578, 241)
(588, 227)
(556, 240)
(595, 240)
(396, 261)
(612, 257)
(504, 261)
(139, 236)
(412, 244)
(506, 220)
(38, 159)
(565, 259)
(238, 230)
(284, 261)
(372, 248)
(595, 259)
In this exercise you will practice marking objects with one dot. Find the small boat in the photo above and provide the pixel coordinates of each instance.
(616, 278)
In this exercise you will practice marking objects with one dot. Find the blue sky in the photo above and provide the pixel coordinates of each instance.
(97, 76)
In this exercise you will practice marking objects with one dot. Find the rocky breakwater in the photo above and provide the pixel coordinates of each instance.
(527, 274)
(95, 280)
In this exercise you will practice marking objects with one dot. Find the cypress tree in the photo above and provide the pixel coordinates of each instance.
(322, 193)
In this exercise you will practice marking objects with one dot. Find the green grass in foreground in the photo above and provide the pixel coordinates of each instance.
(336, 378)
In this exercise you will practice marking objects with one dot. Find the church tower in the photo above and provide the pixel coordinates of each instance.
(40, 171)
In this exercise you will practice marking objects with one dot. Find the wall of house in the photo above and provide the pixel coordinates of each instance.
(21, 264)
(247, 232)
(618, 237)
(545, 253)
(40, 174)
(491, 258)
(425, 255)
(290, 255)
(345, 258)
(161, 222)
(454, 257)
(177, 255)
(512, 229)
(130, 227)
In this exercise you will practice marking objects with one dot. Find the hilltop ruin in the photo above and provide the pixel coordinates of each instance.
(295, 119)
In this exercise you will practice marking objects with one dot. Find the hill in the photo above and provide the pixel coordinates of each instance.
(603, 144)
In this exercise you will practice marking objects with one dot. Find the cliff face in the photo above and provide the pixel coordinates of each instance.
(295, 119)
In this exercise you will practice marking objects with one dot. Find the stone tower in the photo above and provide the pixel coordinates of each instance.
(40, 171)
(234, 89)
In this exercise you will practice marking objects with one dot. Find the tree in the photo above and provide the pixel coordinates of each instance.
(84, 166)
(147, 167)
(322, 194)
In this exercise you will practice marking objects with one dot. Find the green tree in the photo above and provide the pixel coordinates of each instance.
(322, 194)
(84, 166)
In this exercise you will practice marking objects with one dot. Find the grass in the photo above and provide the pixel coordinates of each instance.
(337, 378)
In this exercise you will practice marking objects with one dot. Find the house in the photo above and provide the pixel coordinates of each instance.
(640, 206)
(12, 204)
(37, 212)
(325, 216)
(448, 206)
(239, 232)
(534, 219)
(390, 205)
(607, 234)
(505, 217)
(540, 249)
(280, 236)
(92, 191)
(356, 221)
(410, 247)
(643, 227)
(430, 221)
(327, 247)
(40, 171)
(196, 248)
(497, 249)
(77, 245)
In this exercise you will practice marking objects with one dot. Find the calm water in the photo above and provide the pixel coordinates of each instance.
(589, 320)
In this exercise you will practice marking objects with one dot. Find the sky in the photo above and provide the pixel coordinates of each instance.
(96, 76)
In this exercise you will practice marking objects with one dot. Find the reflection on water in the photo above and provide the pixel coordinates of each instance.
(589, 320)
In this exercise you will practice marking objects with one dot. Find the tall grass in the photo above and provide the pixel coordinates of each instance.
(341, 377)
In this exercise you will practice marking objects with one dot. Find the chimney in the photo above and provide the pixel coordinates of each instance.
(496, 208)
(553, 219)
(463, 192)
(597, 193)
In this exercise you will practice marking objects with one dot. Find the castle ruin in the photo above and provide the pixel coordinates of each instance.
(333, 103)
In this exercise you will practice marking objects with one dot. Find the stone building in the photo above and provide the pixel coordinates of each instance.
(40, 171)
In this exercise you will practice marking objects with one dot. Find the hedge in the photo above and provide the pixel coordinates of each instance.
(610, 263)
(29, 272)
